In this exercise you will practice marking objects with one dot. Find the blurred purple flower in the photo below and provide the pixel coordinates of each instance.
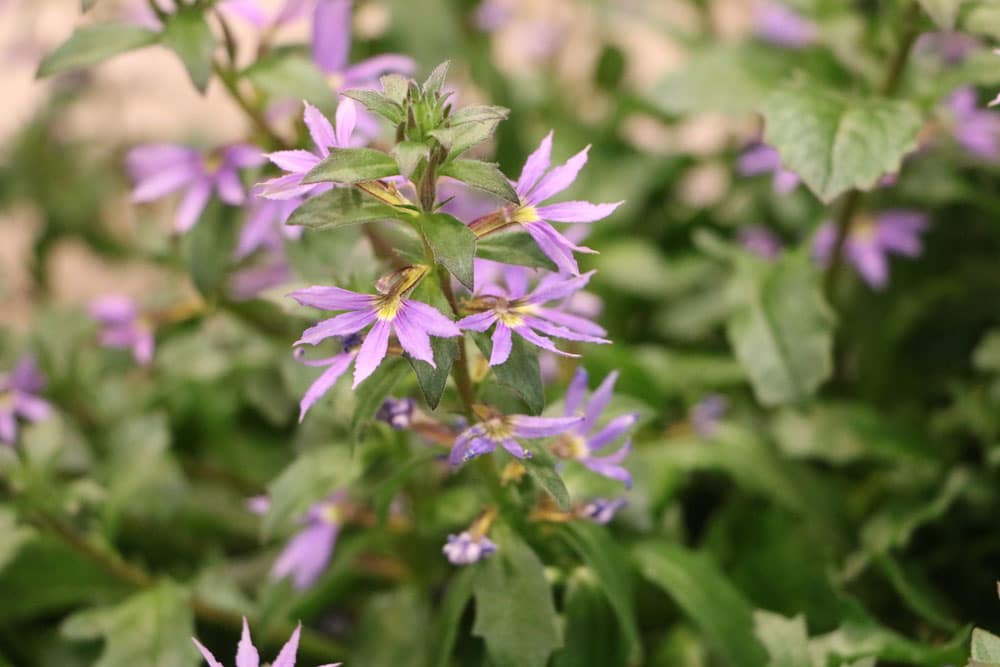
(707, 413)
(412, 321)
(463, 549)
(463, 202)
(782, 26)
(309, 551)
(252, 12)
(975, 129)
(503, 430)
(760, 241)
(491, 15)
(397, 413)
(298, 163)
(331, 43)
(581, 442)
(763, 159)
(247, 655)
(265, 226)
(247, 283)
(602, 510)
(516, 310)
(19, 398)
(123, 326)
(871, 241)
(160, 169)
(951, 47)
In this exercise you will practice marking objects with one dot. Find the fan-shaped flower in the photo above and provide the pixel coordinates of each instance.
(504, 430)
(123, 326)
(247, 655)
(19, 398)
(871, 240)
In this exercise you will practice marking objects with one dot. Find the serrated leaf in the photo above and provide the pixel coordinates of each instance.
(351, 165)
(433, 381)
(520, 373)
(542, 468)
(90, 45)
(371, 393)
(942, 12)
(408, 155)
(707, 597)
(786, 639)
(521, 634)
(513, 246)
(452, 242)
(285, 75)
(484, 176)
(153, 627)
(436, 79)
(985, 648)
(449, 617)
(456, 140)
(782, 329)
(477, 113)
(595, 547)
(341, 207)
(187, 32)
(835, 143)
(394, 87)
(310, 478)
(378, 104)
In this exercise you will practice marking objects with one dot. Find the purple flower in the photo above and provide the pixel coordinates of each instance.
(602, 510)
(412, 321)
(335, 367)
(265, 226)
(247, 283)
(951, 46)
(762, 159)
(298, 163)
(707, 413)
(779, 24)
(309, 551)
(246, 652)
(397, 412)
(537, 184)
(463, 549)
(871, 240)
(760, 241)
(18, 398)
(160, 169)
(123, 326)
(252, 12)
(516, 310)
(976, 130)
(491, 15)
(502, 430)
(584, 440)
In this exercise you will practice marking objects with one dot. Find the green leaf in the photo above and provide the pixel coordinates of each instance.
(90, 45)
(542, 468)
(484, 176)
(351, 165)
(985, 649)
(341, 207)
(151, 628)
(943, 12)
(782, 329)
(436, 79)
(394, 87)
(434, 380)
(786, 639)
(408, 156)
(513, 246)
(707, 597)
(378, 104)
(460, 138)
(449, 617)
(286, 75)
(311, 477)
(452, 242)
(210, 246)
(371, 393)
(87, 5)
(592, 637)
(12, 536)
(187, 32)
(836, 143)
(595, 547)
(521, 634)
(520, 372)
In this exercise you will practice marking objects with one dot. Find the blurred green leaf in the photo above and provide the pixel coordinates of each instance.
(90, 45)
(12, 536)
(287, 75)
(310, 478)
(592, 636)
(513, 246)
(515, 614)
(449, 616)
(985, 649)
(187, 32)
(835, 143)
(371, 393)
(520, 373)
(351, 165)
(944, 12)
(452, 242)
(484, 176)
(209, 248)
(782, 329)
(377, 103)
(542, 468)
(786, 640)
(341, 207)
(393, 630)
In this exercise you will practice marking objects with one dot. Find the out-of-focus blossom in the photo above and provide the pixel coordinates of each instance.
(19, 398)
(583, 441)
(161, 169)
(952, 47)
(123, 326)
(503, 430)
(602, 510)
(871, 241)
(309, 551)
(975, 129)
(464, 549)
(782, 26)
(491, 15)
(248, 282)
(463, 202)
(397, 412)
(516, 310)
(537, 184)
(298, 163)
(707, 413)
(247, 655)
(412, 321)
(265, 226)
(252, 12)
(760, 241)
(335, 367)
(762, 159)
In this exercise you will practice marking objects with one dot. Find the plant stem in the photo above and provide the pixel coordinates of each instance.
(460, 370)
(909, 29)
(230, 80)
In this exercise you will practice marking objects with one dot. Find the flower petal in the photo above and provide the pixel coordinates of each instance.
(550, 329)
(559, 178)
(555, 246)
(540, 341)
(430, 319)
(571, 322)
(365, 73)
(598, 401)
(535, 166)
(577, 211)
(502, 344)
(287, 656)
(284, 187)
(347, 119)
(246, 652)
(324, 382)
(331, 35)
(206, 654)
(332, 298)
(297, 161)
(413, 338)
(515, 448)
(613, 430)
(192, 206)
(558, 287)
(372, 351)
(305, 557)
(341, 325)
(541, 427)
(320, 129)
(575, 392)
(478, 322)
